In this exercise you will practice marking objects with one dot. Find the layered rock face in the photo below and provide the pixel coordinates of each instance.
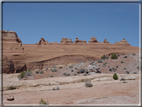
(13, 53)
(79, 41)
(105, 41)
(124, 42)
(66, 41)
(93, 40)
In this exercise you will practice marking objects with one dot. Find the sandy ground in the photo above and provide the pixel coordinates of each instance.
(105, 92)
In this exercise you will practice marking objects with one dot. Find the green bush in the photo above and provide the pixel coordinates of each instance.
(11, 88)
(115, 77)
(37, 72)
(122, 61)
(22, 74)
(82, 70)
(114, 56)
(43, 102)
(134, 54)
(125, 57)
(105, 57)
(134, 72)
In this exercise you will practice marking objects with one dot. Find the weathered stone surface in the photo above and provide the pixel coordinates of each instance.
(79, 41)
(66, 41)
(93, 40)
(123, 42)
(105, 41)
(13, 53)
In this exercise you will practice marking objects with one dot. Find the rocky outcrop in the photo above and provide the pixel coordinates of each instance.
(43, 42)
(13, 53)
(54, 43)
(105, 41)
(123, 42)
(93, 68)
(79, 41)
(93, 40)
(66, 41)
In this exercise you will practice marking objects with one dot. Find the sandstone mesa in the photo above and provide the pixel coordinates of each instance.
(19, 57)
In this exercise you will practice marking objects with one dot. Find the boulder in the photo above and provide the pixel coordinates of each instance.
(105, 41)
(66, 41)
(10, 98)
(93, 68)
(93, 40)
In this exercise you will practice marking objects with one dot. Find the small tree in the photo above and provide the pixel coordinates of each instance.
(115, 77)
(114, 56)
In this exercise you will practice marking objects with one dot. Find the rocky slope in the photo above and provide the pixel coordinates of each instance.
(18, 57)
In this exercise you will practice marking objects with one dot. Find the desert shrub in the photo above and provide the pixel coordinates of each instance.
(125, 68)
(127, 72)
(37, 72)
(60, 67)
(114, 56)
(88, 84)
(100, 61)
(82, 70)
(133, 54)
(115, 77)
(75, 74)
(76, 68)
(11, 88)
(118, 55)
(46, 68)
(92, 63)
(28, 73)
(72, 70)
(110, 69)
(134, 72)
(122, 61)
(104, 57)
(51, 76)
(22, 74)
(114, 69)
(54, 70)
(125, 56)
(41, 72)
(43, 102)
(85, 74)
(68, 74)
(116, 66)
(71, 66)
(64, 73)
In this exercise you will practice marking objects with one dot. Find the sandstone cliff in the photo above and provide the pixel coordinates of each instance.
(13, 53)
(124, 42)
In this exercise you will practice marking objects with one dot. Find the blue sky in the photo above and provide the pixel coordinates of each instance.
(53, 21)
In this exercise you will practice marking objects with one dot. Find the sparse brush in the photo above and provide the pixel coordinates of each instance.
(37, 72)
(122, 61)
(41, 72)
(133, 54)
(104, 57)
(11, 88)
(125, 57)
(43, 102)
(54, 70)
(127, 72)
(114, 56)
(71, 66)
(82, 70)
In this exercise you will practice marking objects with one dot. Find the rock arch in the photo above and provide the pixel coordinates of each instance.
(42, 39)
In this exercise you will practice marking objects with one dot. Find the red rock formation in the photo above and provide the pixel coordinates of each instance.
(56, 43)
(43, 42)
(79, 41)
(105, 41)
(124, 42)
(93, 40)
(13, 53)
(66, 41)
